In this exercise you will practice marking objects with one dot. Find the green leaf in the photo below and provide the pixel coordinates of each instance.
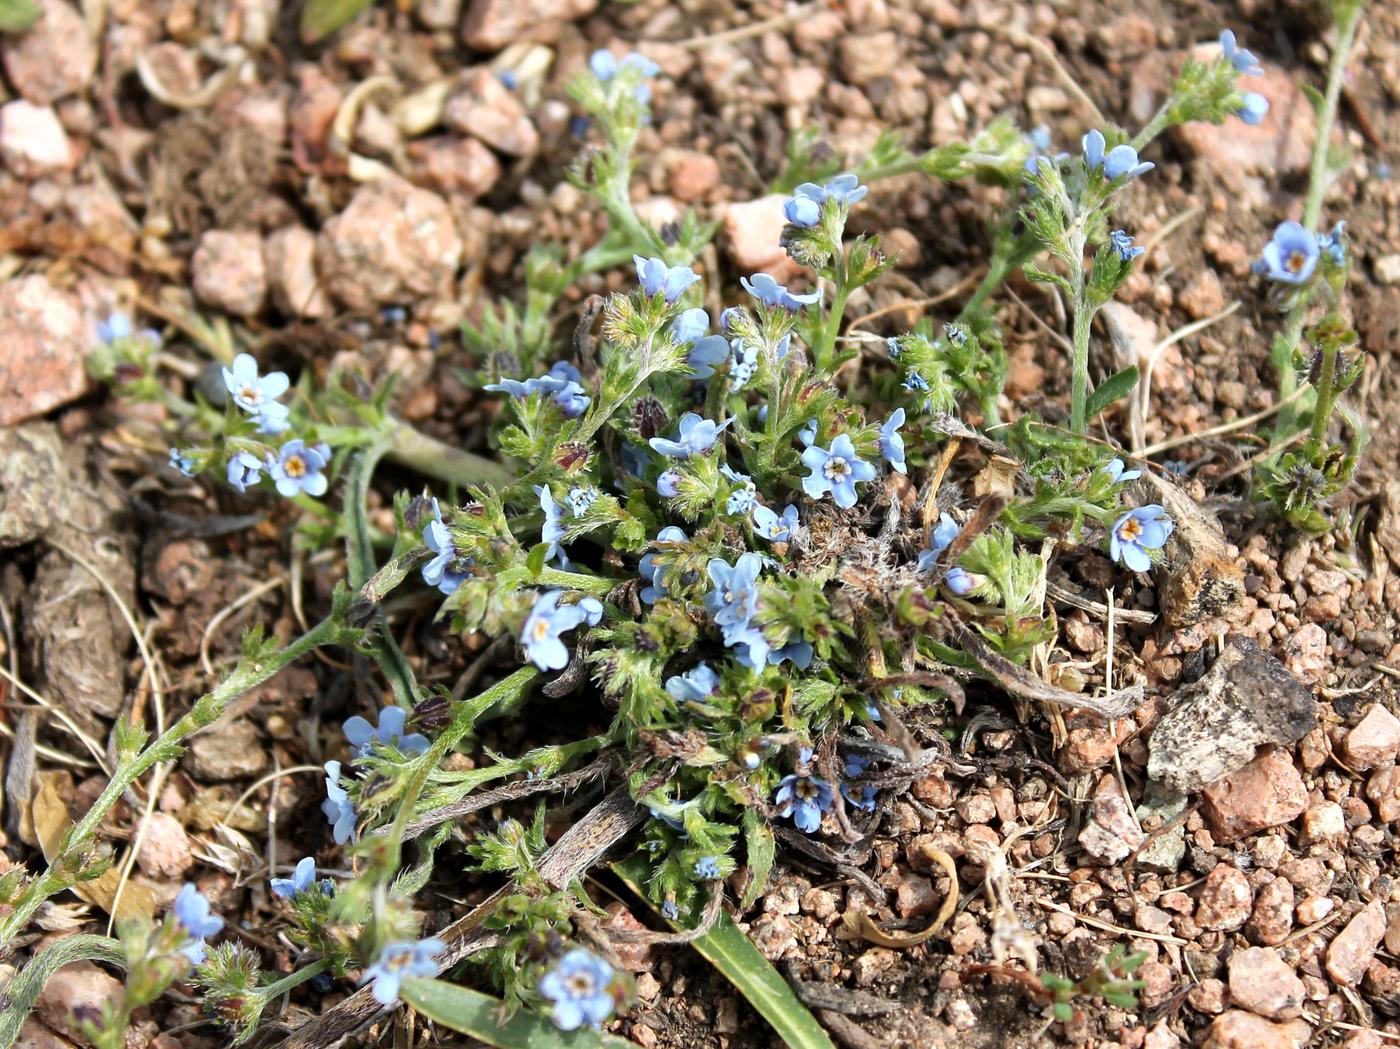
(735, 956)
(758, 841)
(321, 18)
(1314, 96)
(1113, 388)
(18, 15)
(478, 1015)
(534, 563)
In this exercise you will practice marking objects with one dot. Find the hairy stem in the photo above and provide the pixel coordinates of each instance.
(20, 994)
(416, 450)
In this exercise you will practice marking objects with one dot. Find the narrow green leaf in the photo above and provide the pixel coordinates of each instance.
(734, 955)
(478, 1015)
(760, 847)
(321, 18)
(534, 563)
(18, 15)
(1116, 386)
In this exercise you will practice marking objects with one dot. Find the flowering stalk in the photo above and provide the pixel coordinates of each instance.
(24, 988)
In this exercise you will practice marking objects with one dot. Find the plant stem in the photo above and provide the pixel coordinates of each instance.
(1079, 346)
(416, 450)
(20, 994)
(1326, 396)
(280, 987)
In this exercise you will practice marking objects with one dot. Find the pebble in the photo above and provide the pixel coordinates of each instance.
(1225, 899)
(313, 110)
(165, 851)
(1322, 824)
(1087, 747)
(1353, 948)
(1207, 997)
(32, 141)
(1111, 833)
(1238, 1029)
(1268, 792)
(634, 957)
(492, 24)
(692, 175)
(393, 242)
(1305, 653)
(45, 339)
(34, 1035)
(864, 59)
(80, 985)
(1387, 269)
(53, 58)
(1313, 909)
(485, 108)
(229, 271)
(752, 230)
(455, 165)
(226, 751)
(1262, 982)
(290, 256)
(1374, 740)
(1161, 1037)
(1203, 297)
(1272, 919)
(873, 964)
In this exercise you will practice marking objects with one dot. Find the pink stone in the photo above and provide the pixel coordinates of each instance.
(32, 141)
(45, 341)
(485, 108)
(1353, 948)
(229, 272)
(752, 231)
(1265, 793)
(53, 58)
(455, 165)
(492, 24)
(1374, 741)
(165, 847)
(1225, 899)
(1237, 1029)
(1262, 982)
(290, 255)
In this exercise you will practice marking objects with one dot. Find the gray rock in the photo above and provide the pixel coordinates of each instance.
(228, 750)
(1199, 578)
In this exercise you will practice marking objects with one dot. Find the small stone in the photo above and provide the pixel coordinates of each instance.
(819, 903)
(456, 165)
(1111, 833)
(643, 1035)
(726, 1016)
(52, 59)
(46, 340)
(484, 107)
(1314, 909)
(165, 851)
(915, 897)
(1305, 654)
(1088, 747)
(290, 256)
(311, 114)
(692, 175)
(1225, 899)
(1264, 983)
(1203, 297)
(648, 987)
(1237, 1029)
(229, 271)
(227, 750)
(1280, 144)
(1207, 997)
(1198, 577)
(1365, 1040)
(801, 85)
(976, 808)
(1387, 269)
(1322, 823)
(32, 141)
(1353, 948)
(1268, 792)
(873, 964)
(393, 242)
(752, 231)
(867, 58)
(492, 24)
(1161, 1037)
(1272, 919)
(80, 985)
(1374, 741)
(34, 1035)
(634, 957)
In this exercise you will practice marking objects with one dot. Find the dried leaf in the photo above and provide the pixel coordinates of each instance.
(860, 923)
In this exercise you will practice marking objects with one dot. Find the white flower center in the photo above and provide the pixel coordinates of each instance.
(837, 469)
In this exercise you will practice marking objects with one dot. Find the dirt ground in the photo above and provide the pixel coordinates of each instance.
(185, 120)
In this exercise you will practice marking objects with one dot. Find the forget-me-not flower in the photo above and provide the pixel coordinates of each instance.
(117, 326)
(444, 570)
(362, 735)
(707, 867)
(1290, 256)
(667, 484)
(891, 443)
(694, 686)
(249, 391)
(1120, 161)
(1334, 244)
(592, 610)
(690, 325)
(578, 985)
(552, 531)
(750, 644)
(656, 278)
(605, 66)
(740, 501)
(580, 499)
(1243, 61)
(835, 470)
(1118, 475)
(768, 291)
(183, 461)
(846, 189)
(397, 960)
(798, 652)
(244, 469)
(940, 537)
(191, 911)
(1253, 109)
(770, 526)
(339, 810)
(695, 436)
(962, 582)
(743, 363)
(653, 573)
(546, 621)
(299, 882)
(1137, 533)
(804, 207)
(734, 600)
(856, 766)
(297, 468)
(706, 353)
(804, 798)
(1122, 245)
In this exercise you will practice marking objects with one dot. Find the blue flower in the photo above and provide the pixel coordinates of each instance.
(751, 645)
(1137, 533)
(1242, 60)
(552, 531)
(808, 433)
(579, 987)
(397, 960)
(891, 443)
(299, 882)
(572, 400)
(706, 353)
(116, 326)
(362, 735)
(694, 686)
(1334, 244)
(653, 573)
(580, 499)
(734, 600)
(669, 911)
(1116, 473)
(546, 621)
(804, 207)
(690, 325)
(592, 610)
(940, 538)
(740, 502)
(1122, 245)
(244, 469)
(962, 582)
(707, 867)
(769, 292)
(1254, 108)
(770, 526)
(666, 484)
(443, 571)
(915, 382)
(298, 468)
(846, 189)
(892, 347)
(605, 66)
(339, 810)
(836, 471)
(804, 798)
(561, 383)
(250, 392)
(856, 766)
(184, 462)
(191, 910)
(1290, 256)
(955, 333)
(1121, 161)
(696, 435)
(656, 278)
(799, 652)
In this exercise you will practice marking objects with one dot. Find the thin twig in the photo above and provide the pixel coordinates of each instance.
(782, 21)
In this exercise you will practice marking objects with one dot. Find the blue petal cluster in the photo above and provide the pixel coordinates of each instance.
(835, 471)
(769, 292)
(339, 809)
(695, 436)
(1122, 245)
(562, 383)
(657, 278)
(362, 735)
(446, 570)
(694, 686)
(655, 574)
(1243, 61)
(1290, 256)
(298, 469)
(397, 960)
(257, 395)
(1120, 162)
(299, 882)
(1137, 533)
(772, 527)
(579, 985)
(191, 911)
(544, 625)
(804, 207)
(605, 65)
(803, 798)
(891, 443)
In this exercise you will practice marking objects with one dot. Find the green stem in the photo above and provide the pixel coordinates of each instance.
(1326, 396)
(20, 994)
(206, 710)
(275, 990)
(1079, 345)
(416, 450)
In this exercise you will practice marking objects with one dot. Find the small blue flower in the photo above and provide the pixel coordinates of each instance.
(955, 333)
(656, 278)
(808, 433)
(298, 468)
(694, 686)
(666, 484)
(1122, 245)
(915, 382)
(248, 391)
(751, 645)
(580, 499)
(846, 189)
(552, 531)
(116, 326)
(572, 400)
(740, 502)
(696, 436)
(891, 443)
(444, 571)
(804, 207)
(690, 325)
(1116, 473)
(244, 469)
(1121, 161)
(1137, 533)
(653, 573)
(1290, 256)
(798, 652)
(743, 364)
(561, 383)
(734, 600)
(1242, 60)
(605, 64)
(1254, 108)
(962, 582)
(770, 526)
(835, 471)
(362, 736)
(339, 810)
(669, 911)
(397, 960)
(184, 462)
(769, 292)
(299, 882)
(893, 348)
(676, 823)
(191, 910)
(804, 798)
(940, 538)
(707, 868)
(706, 354)
(579, 987)
(856, 766)
(1334, 244)
(546, 621)
(592, 610)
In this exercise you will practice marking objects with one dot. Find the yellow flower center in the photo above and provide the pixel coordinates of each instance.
(1130, 530)
(581, 984)
(539, 630)
(1296, 261)
(295, 466)
(250, 394)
